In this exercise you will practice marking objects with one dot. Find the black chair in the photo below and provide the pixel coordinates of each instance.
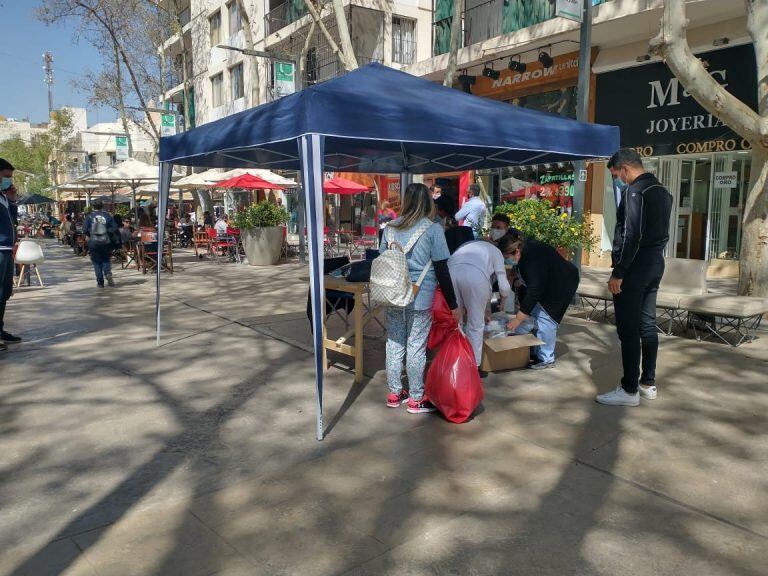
(335, 301)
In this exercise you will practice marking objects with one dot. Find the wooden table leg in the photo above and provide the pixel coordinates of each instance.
(359, 337)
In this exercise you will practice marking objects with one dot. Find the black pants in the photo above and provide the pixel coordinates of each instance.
(6, 281)
(635, 309)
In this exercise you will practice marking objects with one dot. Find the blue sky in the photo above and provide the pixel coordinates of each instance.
(23, 40)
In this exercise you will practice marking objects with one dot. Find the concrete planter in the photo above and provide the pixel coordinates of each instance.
(263, 245)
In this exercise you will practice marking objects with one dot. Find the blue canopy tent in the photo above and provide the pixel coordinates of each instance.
(375, 119)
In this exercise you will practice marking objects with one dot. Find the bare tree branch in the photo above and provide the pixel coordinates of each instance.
(346, 41)
(671, 43)
(313, 11)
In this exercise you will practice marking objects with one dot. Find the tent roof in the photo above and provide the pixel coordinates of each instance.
(377, 119)
(36, 199)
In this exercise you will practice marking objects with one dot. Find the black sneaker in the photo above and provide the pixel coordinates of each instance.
(3, 347)
(483, 373)
(541, 365)
(9, 338)
(110, 280)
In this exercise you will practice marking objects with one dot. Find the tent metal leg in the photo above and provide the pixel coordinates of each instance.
(312, 176)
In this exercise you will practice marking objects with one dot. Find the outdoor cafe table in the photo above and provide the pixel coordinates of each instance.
(361, 314)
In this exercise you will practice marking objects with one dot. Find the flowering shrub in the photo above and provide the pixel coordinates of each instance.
(261, 215)
(537, 219)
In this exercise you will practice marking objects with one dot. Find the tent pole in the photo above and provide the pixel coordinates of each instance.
(166, 169)
(301, 224)
(312, 176)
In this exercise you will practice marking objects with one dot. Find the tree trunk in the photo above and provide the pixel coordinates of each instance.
(204, 198)
(254, 63)
(350, 62)
(672, 44)
(753, 256)
(302, 63)
(453, 54)
(120, 100)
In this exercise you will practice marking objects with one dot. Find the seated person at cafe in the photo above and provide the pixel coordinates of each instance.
(222, 224)
(185, 229)
(549, 283)
(126, 233)
(455, 235)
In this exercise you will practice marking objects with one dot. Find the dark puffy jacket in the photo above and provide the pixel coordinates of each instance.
(550, 280)
(7, 222)
(642, 224)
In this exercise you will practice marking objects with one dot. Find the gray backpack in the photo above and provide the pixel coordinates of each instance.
(99, 232)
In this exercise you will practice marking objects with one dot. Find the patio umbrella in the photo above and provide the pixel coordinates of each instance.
(36, 199)
(247, 182)
(343, 186)
(262, 173)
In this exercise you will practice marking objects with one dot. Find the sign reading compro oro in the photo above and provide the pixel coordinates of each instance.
(726, 179)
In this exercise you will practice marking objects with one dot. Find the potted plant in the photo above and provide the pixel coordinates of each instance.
(262, 233)
(539, 220)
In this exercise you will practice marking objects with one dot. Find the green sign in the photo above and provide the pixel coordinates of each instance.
(121, 147)
(284, 78)
(168, 125)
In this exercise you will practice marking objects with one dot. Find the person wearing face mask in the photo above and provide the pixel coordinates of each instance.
(436, 191)
(549, 283)
(7, 240)
(642, 233)
(499, 227)
(474, 267)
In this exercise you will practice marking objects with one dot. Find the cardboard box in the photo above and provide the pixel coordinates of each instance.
(508, 352)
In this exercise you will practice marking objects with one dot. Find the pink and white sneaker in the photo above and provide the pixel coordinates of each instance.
(395, 400)
(422, 406)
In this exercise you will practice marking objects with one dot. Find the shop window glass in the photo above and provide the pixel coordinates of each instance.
(561, 102)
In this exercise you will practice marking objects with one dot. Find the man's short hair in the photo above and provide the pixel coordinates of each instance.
(98, 205)
(474, 189)
(5, 165)
(625, 157)
(500, 218)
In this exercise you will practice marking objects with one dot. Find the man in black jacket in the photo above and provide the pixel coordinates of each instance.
(550, 283)
(101, 231)
(642, 232)
(7, 240)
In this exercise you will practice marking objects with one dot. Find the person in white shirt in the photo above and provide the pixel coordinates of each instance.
(221, 225)
(474, 267)
(474, 210)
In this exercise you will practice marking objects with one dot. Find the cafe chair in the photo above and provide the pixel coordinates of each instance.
(29, 255)
(202, 243)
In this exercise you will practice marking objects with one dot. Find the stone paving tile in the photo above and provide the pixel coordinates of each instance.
(586, 524)
(62, 557)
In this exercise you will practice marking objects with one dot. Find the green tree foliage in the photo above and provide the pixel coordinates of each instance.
(30, 161)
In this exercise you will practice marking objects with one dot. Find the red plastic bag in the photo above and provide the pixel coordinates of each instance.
(453, 384)
(443, 322)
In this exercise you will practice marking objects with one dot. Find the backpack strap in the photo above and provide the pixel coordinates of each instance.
(424, 273)
(416, 236)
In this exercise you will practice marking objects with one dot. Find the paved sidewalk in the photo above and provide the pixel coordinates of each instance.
(199, 457)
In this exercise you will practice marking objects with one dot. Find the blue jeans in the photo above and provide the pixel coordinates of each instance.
(546, 331)
(102, 264)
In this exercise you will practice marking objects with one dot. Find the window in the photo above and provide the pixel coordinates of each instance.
(217, 90)
(312, 68)
(403, 40)
(235, 21)
(236, 81)
(215, 23)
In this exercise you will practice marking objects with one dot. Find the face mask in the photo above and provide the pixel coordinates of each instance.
(510, 262)
(6, 183)
(620, 184)
(497, 234)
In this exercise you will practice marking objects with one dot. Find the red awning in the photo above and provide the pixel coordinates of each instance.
(247, 181)
(343, 186)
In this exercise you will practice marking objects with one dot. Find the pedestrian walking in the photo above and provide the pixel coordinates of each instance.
(101, 231)
(642, 233)
(8, 221)
(426, 252)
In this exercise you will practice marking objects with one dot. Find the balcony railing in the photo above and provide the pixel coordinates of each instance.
(285, 14)
(486, 19)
